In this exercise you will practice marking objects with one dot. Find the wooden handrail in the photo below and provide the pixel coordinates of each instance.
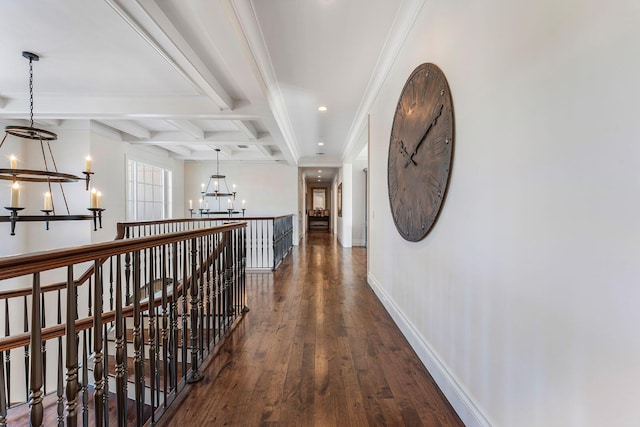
(120, 235)
(51, 287)
(122, 226)
(20, 265)
(21, 340)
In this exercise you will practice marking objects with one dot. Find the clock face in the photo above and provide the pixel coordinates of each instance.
(420, 152)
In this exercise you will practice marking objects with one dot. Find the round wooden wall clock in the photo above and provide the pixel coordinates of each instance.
(420, 152)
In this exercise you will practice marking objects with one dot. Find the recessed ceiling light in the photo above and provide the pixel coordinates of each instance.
(319, 176)
(320, 143)
(319, 171)
(322, 108)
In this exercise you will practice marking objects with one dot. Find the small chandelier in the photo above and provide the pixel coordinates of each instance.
(50, 175)
(218, 191)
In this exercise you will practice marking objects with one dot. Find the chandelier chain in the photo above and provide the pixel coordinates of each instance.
(31, 91)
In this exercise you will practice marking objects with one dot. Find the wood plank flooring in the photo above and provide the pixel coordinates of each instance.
(316, 349)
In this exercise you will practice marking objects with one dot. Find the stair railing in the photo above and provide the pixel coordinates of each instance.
(282, 238)
(188, 292)
(269, 239)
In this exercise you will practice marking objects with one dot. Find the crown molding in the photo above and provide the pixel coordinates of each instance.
(402, 24)
(248, 22)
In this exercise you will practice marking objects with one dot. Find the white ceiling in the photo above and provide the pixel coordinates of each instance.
(189, 76)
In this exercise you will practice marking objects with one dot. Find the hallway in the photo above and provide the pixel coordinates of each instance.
(316, 349)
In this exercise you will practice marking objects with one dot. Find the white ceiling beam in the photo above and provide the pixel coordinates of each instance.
(236, 158)
(67, 106)
(247, 128)
(150, 22)
(265, 149)
(228, 138)
(179, 150)
(188, 127)
(50, 122)
(128, 127)
(108, 107)
(182, 141)
(328, 163)
(257, 47)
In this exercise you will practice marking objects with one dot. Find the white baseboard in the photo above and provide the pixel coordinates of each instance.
(467, 410)
(357, 242)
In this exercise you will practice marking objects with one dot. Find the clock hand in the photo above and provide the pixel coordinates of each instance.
(403, 150)
(408, 157)
(426, 132)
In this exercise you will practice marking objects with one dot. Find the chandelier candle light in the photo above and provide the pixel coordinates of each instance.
(217, 194)
(49, 175)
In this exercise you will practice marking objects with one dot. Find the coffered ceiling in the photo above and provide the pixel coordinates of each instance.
(189, 76)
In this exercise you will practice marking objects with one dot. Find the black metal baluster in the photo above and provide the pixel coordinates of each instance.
(121, 379)
(111, 284)
(98, 366)
(26, 349)
(208, 294)
(43, 344)
(220, 288)
(36, 411)
(90, 313)
(60, 384)
(236, 272)
(274, 245)
(7, 354)
(105, 394)
(127, 277)
(152, 333)
(72, 351)
(85, 379)
(164, 337)
(185, 283)
(173, 343)
(224, 285)
(249, 241)
(234, 280)
(245, 306)
(230, 277)
(137, 340)
(3, 398)
(194, 375)
(201, 297)
(157, 343)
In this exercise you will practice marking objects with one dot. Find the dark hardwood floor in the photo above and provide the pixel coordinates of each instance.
(316, 349)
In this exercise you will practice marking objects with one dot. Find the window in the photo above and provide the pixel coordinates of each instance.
(149, 192)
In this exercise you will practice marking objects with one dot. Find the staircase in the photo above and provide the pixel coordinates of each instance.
(155, 309)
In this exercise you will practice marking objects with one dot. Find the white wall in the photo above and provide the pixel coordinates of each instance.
(110, 157)
(302, 200)
(523, 300)
(358, 205)
(345, 222)
(269, 190)
(350, 227)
